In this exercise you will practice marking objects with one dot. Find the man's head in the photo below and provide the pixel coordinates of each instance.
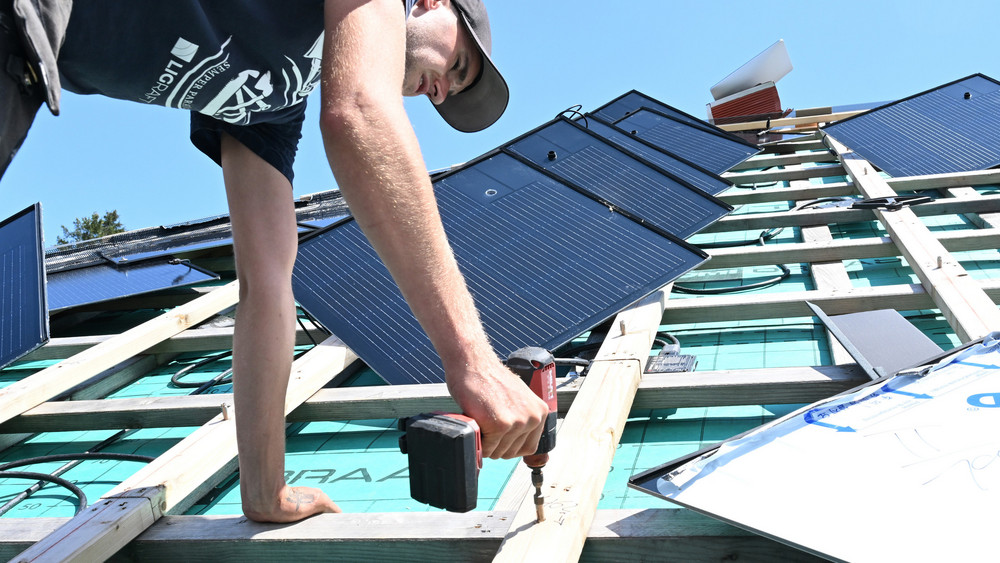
(448, 44)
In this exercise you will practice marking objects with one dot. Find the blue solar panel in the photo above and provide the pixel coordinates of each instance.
(24, 321)
(629, 102)
(701, 178)
(712, 150)
(588, 162)
(543, 261)
(105, 282)
(951, 128)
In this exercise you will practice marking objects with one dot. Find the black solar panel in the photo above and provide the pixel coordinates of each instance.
(699, 177)
(712, 150)
(587, 161)
(105, 282)
(24, 321)
(543, 261)
(629, 102)
(951, 128)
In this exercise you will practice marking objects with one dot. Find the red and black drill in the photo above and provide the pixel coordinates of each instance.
(444, 450)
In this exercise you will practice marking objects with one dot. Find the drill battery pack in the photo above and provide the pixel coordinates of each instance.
(445, 454)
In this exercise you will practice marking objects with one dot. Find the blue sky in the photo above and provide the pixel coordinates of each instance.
(105, 154)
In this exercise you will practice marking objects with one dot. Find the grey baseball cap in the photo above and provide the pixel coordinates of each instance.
(484, 101)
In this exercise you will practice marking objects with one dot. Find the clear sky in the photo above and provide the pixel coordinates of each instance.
(105, 154)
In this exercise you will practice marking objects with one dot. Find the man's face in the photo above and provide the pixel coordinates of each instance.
(441, 57)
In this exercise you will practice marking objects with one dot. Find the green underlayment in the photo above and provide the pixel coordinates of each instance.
(359, 465)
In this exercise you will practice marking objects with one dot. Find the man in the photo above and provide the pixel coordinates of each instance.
(245, 68)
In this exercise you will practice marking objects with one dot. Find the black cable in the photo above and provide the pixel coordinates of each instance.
(176, 378)
(81, 497)
(785, 274)
(70, 457)
(574, 112)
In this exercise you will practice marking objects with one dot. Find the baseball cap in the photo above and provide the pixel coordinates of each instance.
(484, 101)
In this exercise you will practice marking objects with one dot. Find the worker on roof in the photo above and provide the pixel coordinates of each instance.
(244, 69)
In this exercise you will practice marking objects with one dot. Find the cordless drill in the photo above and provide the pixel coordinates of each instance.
(444, 450)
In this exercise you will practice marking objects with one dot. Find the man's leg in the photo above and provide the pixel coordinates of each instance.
(265, 239)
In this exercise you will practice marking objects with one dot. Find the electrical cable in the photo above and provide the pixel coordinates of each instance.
(81, 497)
(574, 112)
(175, 379)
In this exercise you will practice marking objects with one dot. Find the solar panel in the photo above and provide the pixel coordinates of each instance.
(24, 321)
(106, 282)
(543, 261)
(583, 159)
(951, 128)
(701, 178)
(713, 150)
(629, 102)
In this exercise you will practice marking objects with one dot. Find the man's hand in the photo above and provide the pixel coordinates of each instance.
(294, 504)
(509, 415)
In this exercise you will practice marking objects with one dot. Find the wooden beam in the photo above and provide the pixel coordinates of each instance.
(590, 431)
(653, 534)
(190, 468)
(840, 249)
(50, 382)
(657, 391)
(812, 191)
(767, 160)
(828, 276)
(944, 206)
(962, 301)
(784, 175)
(193, 340)
(787, 122)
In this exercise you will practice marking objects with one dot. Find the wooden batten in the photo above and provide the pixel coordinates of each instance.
(969, 310)
(184, 472)
(590, 431)
(50, 382)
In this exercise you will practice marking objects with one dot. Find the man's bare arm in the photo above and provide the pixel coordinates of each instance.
(376, 159)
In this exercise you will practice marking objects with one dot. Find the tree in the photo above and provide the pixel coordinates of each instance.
(95, 226)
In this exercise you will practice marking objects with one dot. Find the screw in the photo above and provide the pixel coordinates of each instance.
(552, 155)
(968, 95)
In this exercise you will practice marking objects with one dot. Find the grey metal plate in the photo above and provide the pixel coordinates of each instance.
(935, 132)
(24, 323)
(543, 261)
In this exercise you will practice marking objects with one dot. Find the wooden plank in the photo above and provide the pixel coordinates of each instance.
(767, 160)
(980, 220)
(787, 121)
(659, 391)
(841, 249)
(190, 468)
(616, 535)
(87, 537)
(950, 180)
(944, 206)
(50, 382)
(828, 276)
(590, 431)
(764, 195)
(962, 301)
(784, 175)
(193, 340)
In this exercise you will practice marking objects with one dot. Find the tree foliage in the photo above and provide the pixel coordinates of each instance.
(94, 226)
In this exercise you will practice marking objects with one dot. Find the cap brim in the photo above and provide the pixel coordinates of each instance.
(480, 105)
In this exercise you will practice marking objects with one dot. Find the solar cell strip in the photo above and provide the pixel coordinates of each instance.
(716, 153)
(543, 262)
(951, 128)
(24, 322)
(699, 177)
(96, 284)
(589, 163)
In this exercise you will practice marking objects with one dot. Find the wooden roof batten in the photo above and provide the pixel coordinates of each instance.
(149, 530)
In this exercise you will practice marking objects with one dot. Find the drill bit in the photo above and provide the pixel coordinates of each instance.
(536, 480)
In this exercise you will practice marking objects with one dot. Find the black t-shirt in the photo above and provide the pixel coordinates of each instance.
(241, 66)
